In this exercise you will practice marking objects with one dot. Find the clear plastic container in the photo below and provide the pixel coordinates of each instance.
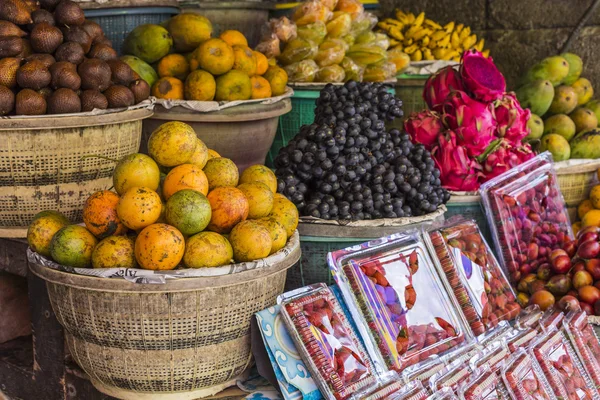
(410, 391)
(486, 385)
(562, 369)
(399, 301)
(551, 319)
(475, 276)
(529, 317)
(524, 379)
(426, 371)
(324, 337)
(453, 376)
(586, 344)
(527, 216)
(443, 394)
(391, 384)
(501, 331)
(521, 339)
(491, 356)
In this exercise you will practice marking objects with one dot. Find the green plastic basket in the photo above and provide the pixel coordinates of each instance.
(470, 210)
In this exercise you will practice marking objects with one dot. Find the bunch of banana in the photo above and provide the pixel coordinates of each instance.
(424, 39)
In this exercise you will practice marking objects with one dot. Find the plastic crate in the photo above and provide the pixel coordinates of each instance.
(471, 210)
(409, 89)
(118, 22)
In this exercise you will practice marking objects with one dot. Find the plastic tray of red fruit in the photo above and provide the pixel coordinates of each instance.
(410, 391)
(453, 376)
(477, 281)
(491, 356)
(443, 394)
(486, 385)
(521, 339)
(584, 340)
(400, 302)
(562, 369)
(325, 339)
(390, 384)
(427, 370)
(528, 218)
(524, 379)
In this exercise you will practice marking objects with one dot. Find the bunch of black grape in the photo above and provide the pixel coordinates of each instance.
(347, 166)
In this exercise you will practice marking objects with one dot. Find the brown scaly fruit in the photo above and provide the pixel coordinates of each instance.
(40, 16)
(122, 74)
(46, 59)
(46, 93)
(7, 28)
(103, 52)
(140, 90)
(68, 13)
(119, 96)
(49, 5)
(95, 74)
(94, 30)
(64, 101)
(71, 52)
(15, 11)
(78, 35)
(30, 102)
(104, 40)
(45, 38)
(10, 46)
(27, 50)
(31, 5)
(91, 99)
(8, 72)
(64, 75)
(7, 100)
(33, 75)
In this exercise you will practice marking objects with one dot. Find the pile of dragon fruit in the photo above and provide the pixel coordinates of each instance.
(473, 128)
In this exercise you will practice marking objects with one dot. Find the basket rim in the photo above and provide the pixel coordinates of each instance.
(99, 284)
(589, 165)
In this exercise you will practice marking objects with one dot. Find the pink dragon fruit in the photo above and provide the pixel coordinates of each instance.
(511, 119)
(439, 86)
(502, 156)
(471, 120)
(481, 77)
(457, 171)
(424, 127)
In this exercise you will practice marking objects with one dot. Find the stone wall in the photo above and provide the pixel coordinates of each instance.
(518, 32)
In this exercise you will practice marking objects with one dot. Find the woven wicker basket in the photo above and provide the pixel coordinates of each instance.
(42, 164)
(577, 180)
(186, 339)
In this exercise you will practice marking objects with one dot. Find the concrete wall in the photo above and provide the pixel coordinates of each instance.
(518, 32)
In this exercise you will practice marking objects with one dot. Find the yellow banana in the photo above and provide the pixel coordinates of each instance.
(425, 41)
(411, 49)
(432, 44)
(469, 42)
(439, 53)
(421, 33)
(410, 18)
(427, 55)
(393, 21)
(410, 33)
(432, 24)
(450, 55)
(438, 35)
(402, 17)
(454, 40)
(407, 41)
(393, 42)
(417, 56)
(449, 27)
(444, 42)
(479, 45)
(459, 28)
(420, 18)
(486, 53)
(456, 59)
(396, 33)
(464, 33)
(398, 47)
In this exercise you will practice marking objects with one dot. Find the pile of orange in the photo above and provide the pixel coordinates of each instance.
(201, 213)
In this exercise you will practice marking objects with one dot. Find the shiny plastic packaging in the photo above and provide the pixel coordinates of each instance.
(269, 46)
(390, 385)
(411, 391)
(339, 25)
(524, 379)
(380, 72)
(527, 216)
(423, 373)
(324, 337)
(485, 385)
(303, 71)
(491, 356)
(353, 71)
(285, 29)
(310, 12)
(443, 394)
(521, 339)
(297, 50)
(477, 281)
(453, 376)
(333, 73)
(331, 52)
(398, 300)
(586, 344)
(314, 32)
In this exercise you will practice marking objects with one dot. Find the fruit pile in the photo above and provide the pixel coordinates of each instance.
(332, 41)
(584, 338)
(202, 212)
(190, 65)
(424, 39)
(347, 166)
(564, 115)
(523, 380)
(473, 127)
(54, 61)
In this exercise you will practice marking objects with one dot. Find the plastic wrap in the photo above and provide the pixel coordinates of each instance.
(354, 71)
(331, 74)
(411, 391)
(391, 384)
(551, 319)
(380, 72)
(324, 337)
(475, 276)
(444, 394)
(311, 11)
(527, 216)
(303, 71)
(499, 333)
(270, 46)
(314, 32)
(331, 4)
(563, 370)
(283, 28)
(393, 289)
(529, 317)
(491, 356)
(362, 22)
(586, 344)
(524, 379)
(486, 385)
(353, 7)
(297, 50)
(399, 58)
(340, 25)
(426, 371)
(453, 376)
(366, 54)
(331, 52)
(521, 339)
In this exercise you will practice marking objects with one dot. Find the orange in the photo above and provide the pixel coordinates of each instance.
(215, 56)
(173, 143)
(250, 241)
(261, 89)
(168, 88)
(229, 207)
(159, 247)
(200, 85)
(285, 212)
(277, 231)
(234, 38)
(260, 199)
(260, 173)
(234, 85)
(584, 207)
(591, 218)
(595, 196)
(174, 65)
(221, 172)
(136, 170)
(277, 78)
(200, 156)
(245, 60)
(139, 207)
(207, 249)
(262, 64)
(213, 154)
(72, 246)
(114, 252)
(42, 229)
(100, 215)
(185, 176)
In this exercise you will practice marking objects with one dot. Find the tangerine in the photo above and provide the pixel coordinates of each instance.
(173, 143)
(207, 250)
(168, 88)
(261, 89)
(139, 207)
(185, 176)
(100, 215)
(215, 56)
(159, 247)
(136, 170)
(41, 230)
(286, 213)
(260, 173)
(277, 231)
(233, 38)
(114, 252)
(260, 199)
(229, 207)
(72, 246)
(189, 211)
(221, 172)
(250, 241)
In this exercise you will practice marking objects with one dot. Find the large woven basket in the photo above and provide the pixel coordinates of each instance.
(43, 164)
(186, 339)
(576, 178)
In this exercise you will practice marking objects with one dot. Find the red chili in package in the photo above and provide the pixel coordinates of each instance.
(400, 299)
(523, 378)
(326, 341)
(529, 317)
(521, 339)
(562, 369)
(391, 384)
(486, 385)
(451, 377)
(584, 340)
(491, 356)
(527, 216)
(424, 372)
(480, 287)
